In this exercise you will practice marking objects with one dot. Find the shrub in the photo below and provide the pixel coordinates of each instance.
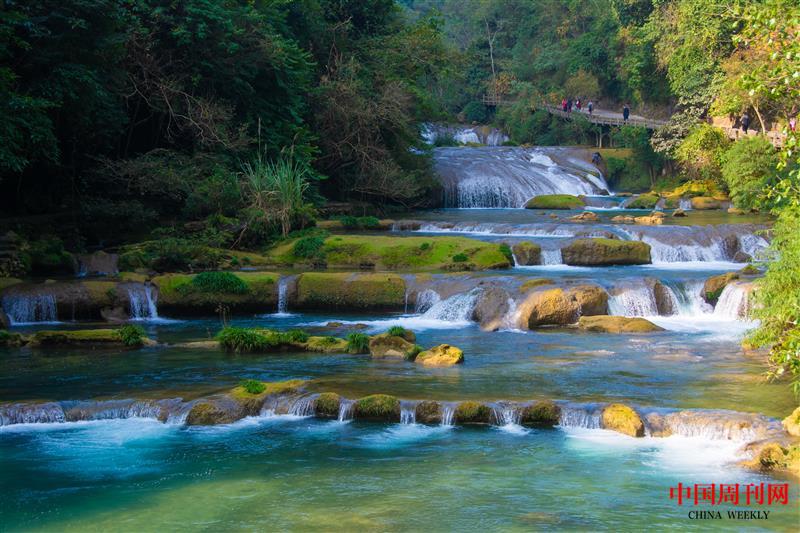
(296, 335)
(349, 222)
(748, 168)
(425, 246)
(243, 340)
(170, 255)
(460, 258)
(506, 251)
(131, 335)
(252, 386)
(412, 355)
(328, 340)
(216, 282)
(357, 343)
(700, 152)
(475, 112)
(369, 222)
(47, 256)
(396, 331)
(309, 247)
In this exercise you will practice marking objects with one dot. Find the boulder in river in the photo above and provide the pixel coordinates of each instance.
(442, 355)
(544, 413)
(705, 202)
(215, 411)
(617, 324)
(623, 219)
(559, 306)
(605, 252)
(471, 412)
(679, 213)
(555, 201)
(792, 423)
(380, 407)
(527, 253)
(428, 412)
(622, 419)
(318, 290)
(586, 216)
(386, 345)
(713, 287)
(491, 307)
(649, 220)
(773, 456)
(326, 405)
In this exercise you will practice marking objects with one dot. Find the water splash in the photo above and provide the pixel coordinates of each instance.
(143, 306)
(346, 408)
(448, 414)
(552, 257)
(733, 303)
(457, 309)
(303, 406)
(637, 300)
(408, 412)
(30, 309)
(580, 416)
(425, 300)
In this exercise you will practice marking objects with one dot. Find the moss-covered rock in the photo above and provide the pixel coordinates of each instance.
(617, 324)
(395, 253)
(428, 412)
(215, 411)
(535, 282)
(84, 337)
(527, 253)
(442, 355)
(12, 339)
(251, 395)
(378, 407)
(257, 340)
(385, 345)
(560, 306)
(622, 419)
(792, 423)
(471, 412)
(713, 287)
(643, 201)
(555, 201)
(586, 216)
(542, 414)
(679, 213)
(348, 291)
(182, 293)
(604, 252)
(327, 405)
(774, 457)
(705, 202)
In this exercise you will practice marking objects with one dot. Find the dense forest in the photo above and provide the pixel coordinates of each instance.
(231, 124)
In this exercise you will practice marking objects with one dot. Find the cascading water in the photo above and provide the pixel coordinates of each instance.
(508, 176)
(638, 300)
(463, 134)
(283, 295)
(733, 303)
(303, 406)
(580, 416)
(685, 204)
(425, 300)
(448, 414)
(408, 412)
(346, 408)
(552, 257)
(506, 414)
(458, 308)
(30, 308)
(142, 302)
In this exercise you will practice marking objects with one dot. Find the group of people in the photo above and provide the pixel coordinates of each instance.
(568, 103)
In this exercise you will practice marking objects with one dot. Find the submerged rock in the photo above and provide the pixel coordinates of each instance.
(679, 213)
(623, 219)
(442, 355)
(586, 216)
(617, 324)
(378, 407)
(527, 253)
(491, 307)
(622, 419)
(705, 202)
(542, 414)
(385, 345)
(535, 282)
(649, 220)
(603, 252)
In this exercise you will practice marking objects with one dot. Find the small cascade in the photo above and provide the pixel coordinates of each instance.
(303, 406)
(142, 302)
(30, 308)
(506, 414)
(511, 319)
(111, 410)
(713, 425)
(552, 257)
(448, 414)
(685, 204)
(346, 408)
(283, 295)
(733, 303)
(638, 300)
(688, 298)
(425, 300)
(408, 412)
(580, 416)
(457, 308)
(31, 413)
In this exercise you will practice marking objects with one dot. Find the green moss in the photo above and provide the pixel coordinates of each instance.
(541, 414)
(252, 386)
(350, 291)
(378, 407)
(533, 283)
(270, 388)
(216, 282)
(85, 336)
(8, 282)
(555, 201)
(460, 258)
(643, 201)
(357, 343)
(252, 340)
(396, 253)
(132, 335)
(11, 339)
(244, 340)
(472, 413)
(327, 405)
(181, 293)
(604, 252)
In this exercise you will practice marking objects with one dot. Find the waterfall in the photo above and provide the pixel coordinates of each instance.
(733, 302)
(507, 176)
(463, 134)
(552, 257)
(22, 413)
(716, 425)
(457, 308)
(171, 410)
(142, 302)
(506, 414)
(283, 295)
(639, 300)
(408, 412)
(685, 204)
(688, 298)
(30, 308)
(303, 406)
(580, 416)
(448, 414)
(425, 300)
(346, 407)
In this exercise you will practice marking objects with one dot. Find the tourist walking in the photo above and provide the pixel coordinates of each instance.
(564, 104)
(626, 112)
(569, 105)
(590, 107)
(578, 104)
(745, 122)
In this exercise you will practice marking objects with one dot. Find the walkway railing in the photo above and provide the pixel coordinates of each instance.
(605, 120)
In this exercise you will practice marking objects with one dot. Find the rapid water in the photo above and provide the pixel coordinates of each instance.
(463, 134)
(25, 309)
(142, 300)
(510, 176)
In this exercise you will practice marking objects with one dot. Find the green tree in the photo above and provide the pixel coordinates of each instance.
(748, 169)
